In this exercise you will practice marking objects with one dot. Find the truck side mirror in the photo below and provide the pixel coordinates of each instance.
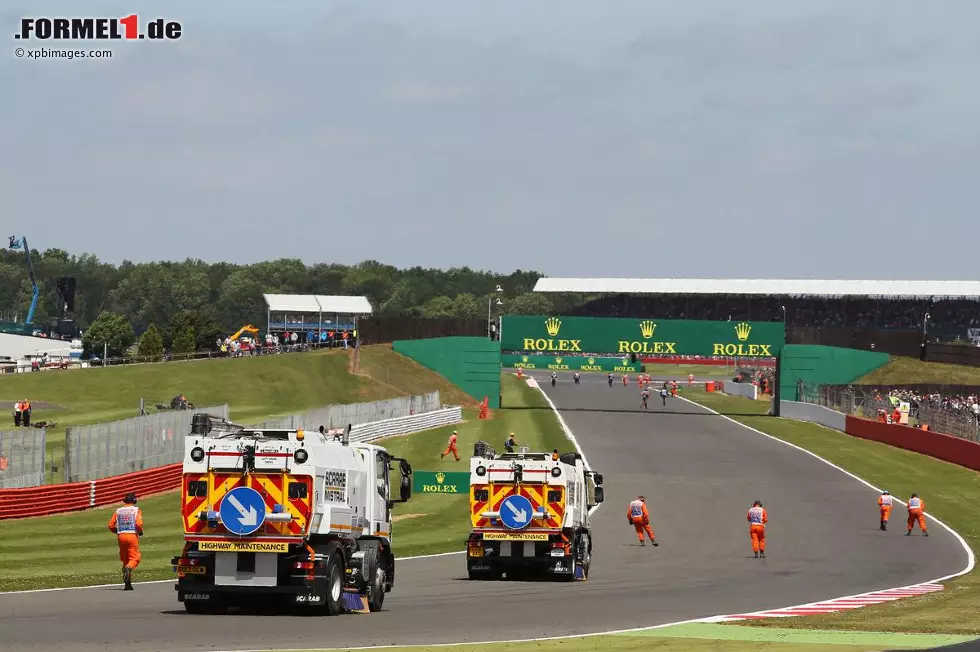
(597, 478)
(405, 490)
(600, 495)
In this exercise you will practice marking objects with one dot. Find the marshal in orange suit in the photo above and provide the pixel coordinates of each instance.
(917, 508)
(127, 524)
(885, 508)
(638, 516)
(451, 448)
(758, 518)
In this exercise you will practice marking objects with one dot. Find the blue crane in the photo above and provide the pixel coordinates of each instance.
(21, 243)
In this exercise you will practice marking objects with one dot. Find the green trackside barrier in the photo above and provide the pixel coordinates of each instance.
(816, 365)
(470, 363)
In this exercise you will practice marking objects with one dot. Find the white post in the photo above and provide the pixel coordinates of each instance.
(105, 352)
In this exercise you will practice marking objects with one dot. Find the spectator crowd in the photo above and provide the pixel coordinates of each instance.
(857, 313)
(966, 406)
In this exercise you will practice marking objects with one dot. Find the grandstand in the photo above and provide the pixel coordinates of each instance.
(940, 310)
(315, 317)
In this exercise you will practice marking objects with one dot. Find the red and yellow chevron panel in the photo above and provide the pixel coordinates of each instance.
(536, 493)
(274, 488)
(477, 507)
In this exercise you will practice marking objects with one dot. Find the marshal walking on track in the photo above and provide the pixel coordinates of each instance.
(127, 524)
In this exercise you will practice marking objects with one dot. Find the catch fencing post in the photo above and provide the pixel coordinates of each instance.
(69, 436)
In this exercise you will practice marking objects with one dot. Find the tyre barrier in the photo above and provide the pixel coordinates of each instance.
(75, 496)
(949, 448)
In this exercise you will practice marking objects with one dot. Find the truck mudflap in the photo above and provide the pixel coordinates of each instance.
(554, 554)
(296, 578)
(288, 576)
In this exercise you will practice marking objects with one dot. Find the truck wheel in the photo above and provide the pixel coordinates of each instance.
(376, 594)
(580, 559)
(375, 577)
(335, 584)
(585, 550)
(333, 603)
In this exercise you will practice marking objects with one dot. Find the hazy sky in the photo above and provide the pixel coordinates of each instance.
(707, 138)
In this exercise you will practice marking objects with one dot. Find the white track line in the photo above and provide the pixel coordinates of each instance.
(511, 641)
(971, 560)
(710, 619)
(105, 586)
(532, 382)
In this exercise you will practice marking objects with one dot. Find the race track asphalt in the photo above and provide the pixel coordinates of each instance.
(700, 474)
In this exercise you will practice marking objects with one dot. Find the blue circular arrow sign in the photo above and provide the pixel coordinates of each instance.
(516, 512)
(242, 511)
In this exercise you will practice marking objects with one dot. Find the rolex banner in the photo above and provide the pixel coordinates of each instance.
(591, 335)
(438, 482)
(570, 363)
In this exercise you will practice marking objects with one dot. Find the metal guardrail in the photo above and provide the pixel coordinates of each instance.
(865, 402)
(109, 449)
(369, 432)
(338, 416)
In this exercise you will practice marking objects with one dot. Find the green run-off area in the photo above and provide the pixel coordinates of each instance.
(584, 335)
(569, 363)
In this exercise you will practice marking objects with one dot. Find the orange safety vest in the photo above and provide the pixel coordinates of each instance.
(4, 463)
(757, 516)
(636, 509)
(127, 519)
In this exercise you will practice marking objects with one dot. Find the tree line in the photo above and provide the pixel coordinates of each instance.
(189, 304)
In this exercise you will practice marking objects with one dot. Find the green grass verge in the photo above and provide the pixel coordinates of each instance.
(426, 524)
(398, 375)
(255, 388)
(908, 371)
(953, 493)
(704, 637)
(633, 643)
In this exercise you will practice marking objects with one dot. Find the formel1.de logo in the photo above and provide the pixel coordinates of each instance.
(128, 28)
